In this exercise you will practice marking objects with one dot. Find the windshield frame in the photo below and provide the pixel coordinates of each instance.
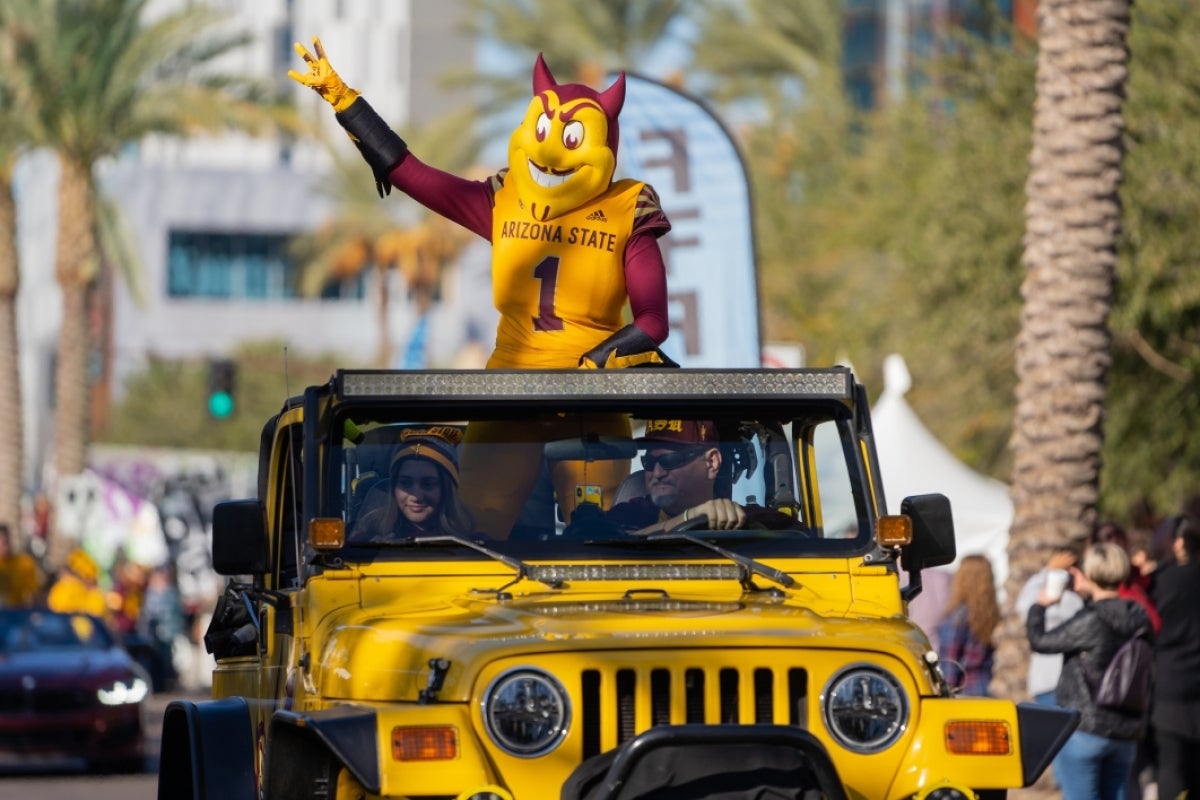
(801, 416)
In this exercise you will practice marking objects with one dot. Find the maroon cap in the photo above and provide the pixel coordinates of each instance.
(679, 432)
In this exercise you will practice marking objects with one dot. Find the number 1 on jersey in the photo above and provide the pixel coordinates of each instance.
(547, 273)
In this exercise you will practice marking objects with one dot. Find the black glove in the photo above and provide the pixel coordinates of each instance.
(628, 347)
(381, 146)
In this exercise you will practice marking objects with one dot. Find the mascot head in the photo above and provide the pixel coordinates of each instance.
(565, 150)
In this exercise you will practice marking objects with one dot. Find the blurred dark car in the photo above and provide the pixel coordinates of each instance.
(68, 690)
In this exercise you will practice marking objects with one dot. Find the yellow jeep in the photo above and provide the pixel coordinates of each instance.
(571, 657)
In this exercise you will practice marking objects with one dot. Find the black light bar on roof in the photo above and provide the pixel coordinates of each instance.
(832, 383)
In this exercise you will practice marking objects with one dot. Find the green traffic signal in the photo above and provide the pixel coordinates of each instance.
(221, 379)
(220, 405)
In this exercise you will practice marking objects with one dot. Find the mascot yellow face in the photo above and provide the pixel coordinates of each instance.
(564, 152)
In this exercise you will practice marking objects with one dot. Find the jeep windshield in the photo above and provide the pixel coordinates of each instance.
(589, 465)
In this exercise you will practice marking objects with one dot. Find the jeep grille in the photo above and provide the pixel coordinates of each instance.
(622, 702)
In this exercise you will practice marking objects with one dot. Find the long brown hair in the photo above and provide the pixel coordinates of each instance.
(974, 586)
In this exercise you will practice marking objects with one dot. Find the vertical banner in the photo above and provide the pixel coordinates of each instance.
(675, 144)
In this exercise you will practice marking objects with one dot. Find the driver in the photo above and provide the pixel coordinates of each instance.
(681, 464)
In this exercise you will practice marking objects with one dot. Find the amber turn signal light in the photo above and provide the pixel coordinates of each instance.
(424, 744)
(326, 533)
(893, 530)
(978, 738)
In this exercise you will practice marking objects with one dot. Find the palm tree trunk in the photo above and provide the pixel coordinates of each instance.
(1072, 219)
(12, 443)
(100, 338)
(383, 310)
(75, 269)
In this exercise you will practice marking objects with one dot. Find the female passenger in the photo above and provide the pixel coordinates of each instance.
(424, 488)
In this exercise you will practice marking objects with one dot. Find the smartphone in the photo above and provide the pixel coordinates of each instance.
(589, 493)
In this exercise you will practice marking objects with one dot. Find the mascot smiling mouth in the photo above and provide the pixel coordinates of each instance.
(546, 177)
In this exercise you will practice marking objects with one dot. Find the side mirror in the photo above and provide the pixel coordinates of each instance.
(932, 532)
(239, 544)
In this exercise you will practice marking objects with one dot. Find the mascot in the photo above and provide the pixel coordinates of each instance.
(569, 247)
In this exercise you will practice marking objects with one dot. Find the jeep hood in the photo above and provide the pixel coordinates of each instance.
(372, 655)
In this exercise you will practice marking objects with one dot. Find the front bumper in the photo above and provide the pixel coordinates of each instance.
(932, 757)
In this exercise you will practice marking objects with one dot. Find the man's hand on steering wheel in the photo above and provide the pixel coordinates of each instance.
(723, 514)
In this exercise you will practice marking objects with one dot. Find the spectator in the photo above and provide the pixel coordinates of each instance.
(681, 464)
(43, 523)
(161, 621)
(965, 647)
(1144, 563)
(124, 597)
(1142, 559)
(1176, 709)
(1095, 762)
(76, 590)
(18, 573)
(1044, 668)
(1133, 587)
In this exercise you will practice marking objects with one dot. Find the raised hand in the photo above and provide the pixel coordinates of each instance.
(322, 78)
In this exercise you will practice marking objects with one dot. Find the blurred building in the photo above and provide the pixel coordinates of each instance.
(887, 40)
(211, 218)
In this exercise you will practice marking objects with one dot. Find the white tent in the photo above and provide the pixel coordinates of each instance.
(914, 462)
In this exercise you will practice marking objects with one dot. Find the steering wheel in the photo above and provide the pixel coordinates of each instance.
(701, 520)
(691, 524)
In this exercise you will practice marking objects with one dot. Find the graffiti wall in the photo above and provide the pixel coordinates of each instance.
(156, 506)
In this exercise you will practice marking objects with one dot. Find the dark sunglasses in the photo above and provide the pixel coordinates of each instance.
(672, 460)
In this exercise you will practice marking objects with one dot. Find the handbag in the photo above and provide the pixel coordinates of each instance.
(1128, 679)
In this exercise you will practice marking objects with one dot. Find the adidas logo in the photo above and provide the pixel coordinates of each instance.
(597, 216)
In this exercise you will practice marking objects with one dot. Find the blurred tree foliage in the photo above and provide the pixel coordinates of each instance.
(1151, 450)
(899, 230)
(166, 405)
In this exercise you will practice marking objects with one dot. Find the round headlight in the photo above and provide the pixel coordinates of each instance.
(526, 712)
(865, 709)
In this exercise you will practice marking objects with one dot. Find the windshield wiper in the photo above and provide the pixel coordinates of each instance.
(523, 570)
(750, 565)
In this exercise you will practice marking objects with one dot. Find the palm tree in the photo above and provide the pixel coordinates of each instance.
(1072, 224)
(771, 52)
(14, 138)
(96, 76)
(366, 234)
(12, 445)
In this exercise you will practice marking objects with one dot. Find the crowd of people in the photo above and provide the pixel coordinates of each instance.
(142, 605)
(1079, 610)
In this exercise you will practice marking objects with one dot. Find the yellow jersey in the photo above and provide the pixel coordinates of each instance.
(560, 285)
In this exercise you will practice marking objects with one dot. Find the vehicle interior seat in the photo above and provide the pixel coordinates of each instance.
(631, 488)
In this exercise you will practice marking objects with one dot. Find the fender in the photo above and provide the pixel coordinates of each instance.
(1044, 731)
(207, 751)
(306, 749)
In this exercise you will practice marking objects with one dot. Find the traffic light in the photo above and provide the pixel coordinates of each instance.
(222, 374)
